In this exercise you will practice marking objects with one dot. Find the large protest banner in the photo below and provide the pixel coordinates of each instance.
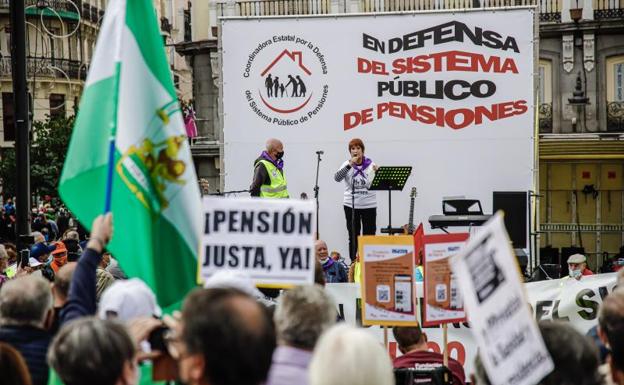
(448, 93)
(565, 299)
(273, 241)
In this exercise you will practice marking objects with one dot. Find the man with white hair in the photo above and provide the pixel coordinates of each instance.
(302, 315)
(577, 266)
(25, 314)
(269, 180)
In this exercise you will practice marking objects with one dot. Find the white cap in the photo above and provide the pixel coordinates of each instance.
(233, 279)
(129, 299)
(577, 258)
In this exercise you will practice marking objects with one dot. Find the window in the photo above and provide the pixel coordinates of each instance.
(545, 96)
(8, 114)
(615, 79)
(57, 106)
(545, 81)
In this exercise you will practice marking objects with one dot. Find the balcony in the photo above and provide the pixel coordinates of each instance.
(608, 9)
(61, 8)
(615, 116)
(48, 68)
(550, 9)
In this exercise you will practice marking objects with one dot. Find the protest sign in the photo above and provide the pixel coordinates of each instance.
(566, 300)
(271, 239)
(442, 301)
(512, 348)
(388, 280)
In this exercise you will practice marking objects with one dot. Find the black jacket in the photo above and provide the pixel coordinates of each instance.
(33, 344)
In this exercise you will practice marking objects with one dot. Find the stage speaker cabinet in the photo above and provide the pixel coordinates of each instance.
(514, 204)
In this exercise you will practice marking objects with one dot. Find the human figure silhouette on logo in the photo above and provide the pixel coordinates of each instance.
(276, 85)
(282, 88)
(268, 83)
(302, 87)
(295, 86)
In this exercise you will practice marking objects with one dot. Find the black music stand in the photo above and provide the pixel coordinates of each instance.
(390, 178)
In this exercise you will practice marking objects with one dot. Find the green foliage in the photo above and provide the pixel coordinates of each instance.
(47, 153)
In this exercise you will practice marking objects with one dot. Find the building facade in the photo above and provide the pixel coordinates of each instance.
(61, 38)
(580, 199)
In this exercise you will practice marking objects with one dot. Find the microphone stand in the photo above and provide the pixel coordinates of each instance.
(354, 239)
(316, 192)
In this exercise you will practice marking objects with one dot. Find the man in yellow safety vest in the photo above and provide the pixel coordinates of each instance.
(269, 180)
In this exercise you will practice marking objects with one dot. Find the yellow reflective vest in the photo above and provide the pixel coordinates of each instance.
(278, 187)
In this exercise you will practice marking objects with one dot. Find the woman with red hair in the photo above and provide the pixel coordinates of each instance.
(360, 204)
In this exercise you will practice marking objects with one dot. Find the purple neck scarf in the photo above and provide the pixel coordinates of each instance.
(279, 163)
(359, 170)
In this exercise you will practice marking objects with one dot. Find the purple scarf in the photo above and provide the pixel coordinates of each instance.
(360, 169)
(279, 163)
(328, 264)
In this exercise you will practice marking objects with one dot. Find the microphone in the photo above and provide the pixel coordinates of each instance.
(320, 152)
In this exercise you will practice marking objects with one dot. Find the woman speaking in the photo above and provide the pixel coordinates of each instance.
(360, 204)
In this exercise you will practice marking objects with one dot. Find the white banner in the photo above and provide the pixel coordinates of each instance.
(563, 299)
(272, 241)
(449, 93)
(512, 348)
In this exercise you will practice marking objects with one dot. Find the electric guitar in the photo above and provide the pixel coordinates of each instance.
(409, 228)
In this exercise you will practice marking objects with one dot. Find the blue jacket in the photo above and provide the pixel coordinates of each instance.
(334, 272)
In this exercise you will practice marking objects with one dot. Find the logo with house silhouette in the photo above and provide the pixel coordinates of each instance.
(285, 81)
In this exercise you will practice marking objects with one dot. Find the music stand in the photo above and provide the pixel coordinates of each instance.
(390, 178)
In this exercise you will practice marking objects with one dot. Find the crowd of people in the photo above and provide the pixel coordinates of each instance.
(68, 313)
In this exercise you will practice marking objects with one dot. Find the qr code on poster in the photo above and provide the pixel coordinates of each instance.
(383, 293)
(440, 292)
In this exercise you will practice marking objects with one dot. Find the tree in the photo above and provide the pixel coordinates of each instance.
(47, 154)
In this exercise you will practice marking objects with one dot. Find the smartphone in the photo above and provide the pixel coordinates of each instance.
(24, 256)
(403, 293)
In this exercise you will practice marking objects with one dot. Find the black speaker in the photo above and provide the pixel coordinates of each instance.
(514, 204)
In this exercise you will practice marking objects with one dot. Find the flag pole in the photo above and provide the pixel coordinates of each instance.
(109, 174)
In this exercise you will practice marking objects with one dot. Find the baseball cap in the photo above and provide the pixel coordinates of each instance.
(129, 299)
(577, 258)
(59, 248)
(39, 249)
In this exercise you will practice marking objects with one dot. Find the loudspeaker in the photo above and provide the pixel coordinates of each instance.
(514, 204)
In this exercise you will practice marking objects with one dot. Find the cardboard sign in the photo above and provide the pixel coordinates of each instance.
(388, 280)
(564, 300)
(443, 303)
(271, 239)
(512, 347)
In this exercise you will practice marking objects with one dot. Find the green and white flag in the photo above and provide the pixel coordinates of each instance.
(129, 104)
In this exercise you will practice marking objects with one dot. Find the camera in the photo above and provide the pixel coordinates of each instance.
(156, 339)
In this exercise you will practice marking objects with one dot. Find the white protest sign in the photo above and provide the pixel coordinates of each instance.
(512, 348)
(270, 239)
(563, 299)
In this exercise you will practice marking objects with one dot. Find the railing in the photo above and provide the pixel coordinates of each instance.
(545, 118)
(550, 9)
(87, 12)
(608, 9)
(615, 116)
(278, 7)
(48, 67)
